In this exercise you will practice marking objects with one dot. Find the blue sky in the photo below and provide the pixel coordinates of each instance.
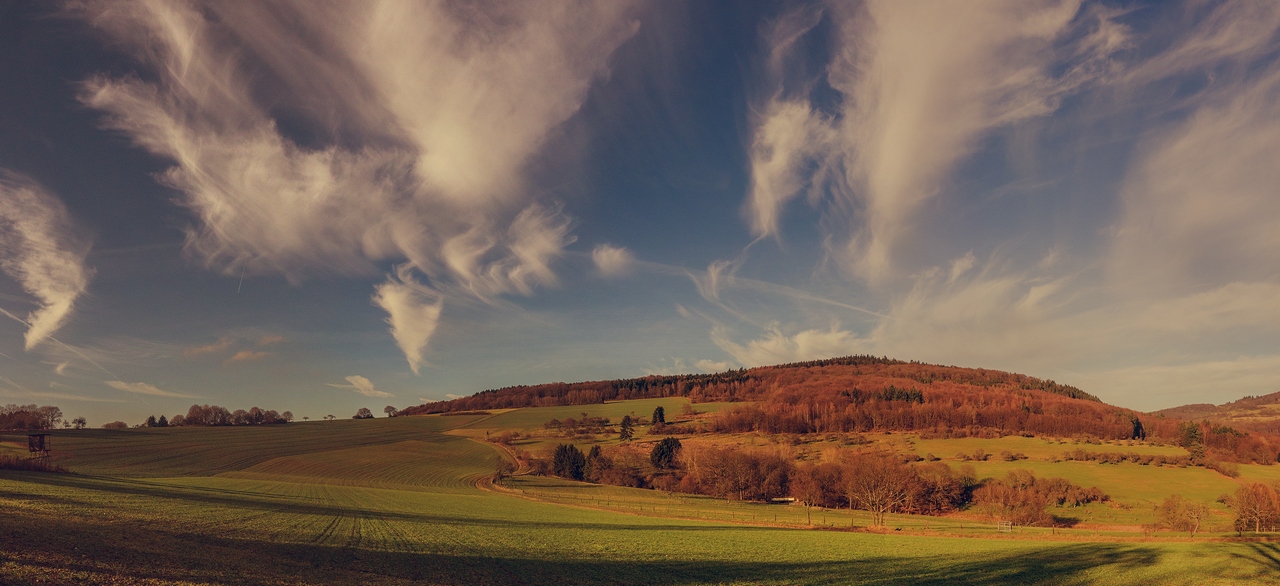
(322, 206)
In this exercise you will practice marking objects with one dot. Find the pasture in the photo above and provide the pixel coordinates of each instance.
(395, 501)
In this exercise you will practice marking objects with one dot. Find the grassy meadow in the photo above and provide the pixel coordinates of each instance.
(406, 500)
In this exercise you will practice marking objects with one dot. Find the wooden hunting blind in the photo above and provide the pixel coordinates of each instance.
(38, 444)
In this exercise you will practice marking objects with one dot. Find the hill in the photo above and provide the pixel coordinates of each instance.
(1260, 414)
(859, 394)
(742, 385)
(847, 394)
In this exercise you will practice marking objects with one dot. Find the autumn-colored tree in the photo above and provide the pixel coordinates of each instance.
(811, 485)
(1256, 506)
(879, 483)
(1180, 514)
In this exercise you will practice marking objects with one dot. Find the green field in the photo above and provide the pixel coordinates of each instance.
(534, 418)
(392, 501)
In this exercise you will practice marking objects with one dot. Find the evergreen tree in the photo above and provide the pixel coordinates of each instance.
(625, 428)
(151, 421)
(659, 415)
(568, 462)
(664, 453)
(162, 422)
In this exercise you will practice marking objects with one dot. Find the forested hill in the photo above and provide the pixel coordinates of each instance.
(849, 374)
(1260, 414)
(858, 394)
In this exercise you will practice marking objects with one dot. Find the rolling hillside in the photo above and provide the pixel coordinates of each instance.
(1260, 414)
(857, 394)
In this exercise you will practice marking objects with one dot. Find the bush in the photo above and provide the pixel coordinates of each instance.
(29, 465)
(115, 425)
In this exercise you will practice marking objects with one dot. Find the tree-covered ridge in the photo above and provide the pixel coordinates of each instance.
(744, 384)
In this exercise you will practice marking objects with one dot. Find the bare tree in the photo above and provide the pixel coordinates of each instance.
(1181, 514)
(878, 483)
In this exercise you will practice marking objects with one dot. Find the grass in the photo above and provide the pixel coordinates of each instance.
(396, 501)
(1032, 447)
(532, 418)
(205, 451)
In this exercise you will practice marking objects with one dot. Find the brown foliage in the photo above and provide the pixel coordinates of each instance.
(1022, 498)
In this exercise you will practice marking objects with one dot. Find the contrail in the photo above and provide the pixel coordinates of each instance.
(73, 349)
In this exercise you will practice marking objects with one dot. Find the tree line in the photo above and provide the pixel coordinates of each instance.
(878, 482)
(214, 415)
(33, 418)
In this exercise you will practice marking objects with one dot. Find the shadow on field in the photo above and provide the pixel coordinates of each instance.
(1264, 554)
(63, 552)
(54, 547)
(256, 501)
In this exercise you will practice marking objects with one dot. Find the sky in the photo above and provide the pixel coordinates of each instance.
(321, 206)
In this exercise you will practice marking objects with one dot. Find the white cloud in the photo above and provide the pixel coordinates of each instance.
(790, 139)
(777, 348)
(1187, 380)
(612, 261)
(434, 109)
(221, 345)
(362, 385)
(143, 389)
(922, 83)
(246, 356)
(712, 366)
(413, 311)
(39, 248)
(1201, 206)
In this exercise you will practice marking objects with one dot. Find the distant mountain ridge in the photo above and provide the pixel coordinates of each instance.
(1261, 414)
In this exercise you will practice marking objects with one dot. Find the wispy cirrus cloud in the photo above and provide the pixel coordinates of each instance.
(220, 346)
(43, 252)
(363, 386)
(246, 356)
(435, 109)
(1175, 278)
(144, 389)
(921, 84)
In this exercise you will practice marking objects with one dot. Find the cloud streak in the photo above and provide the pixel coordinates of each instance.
(39, 249)
(144, 389)
(363, 386)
